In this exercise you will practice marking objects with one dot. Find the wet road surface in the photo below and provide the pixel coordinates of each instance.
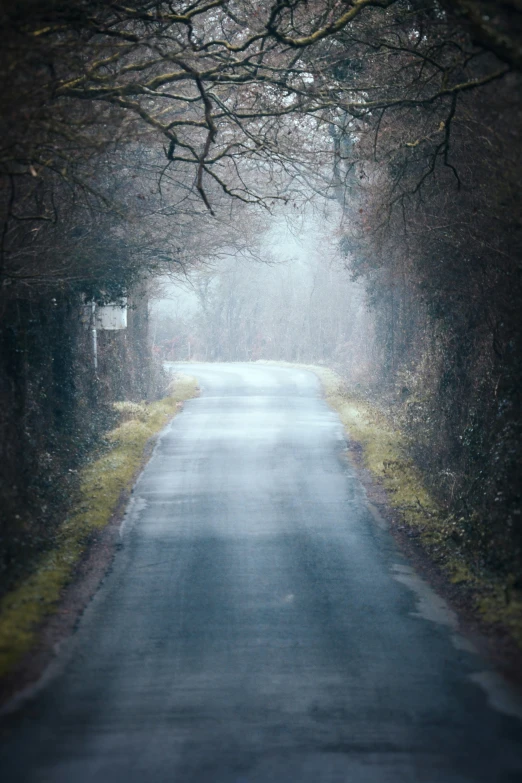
(259, 626)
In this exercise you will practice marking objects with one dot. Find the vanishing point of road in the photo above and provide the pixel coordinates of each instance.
(259, 625)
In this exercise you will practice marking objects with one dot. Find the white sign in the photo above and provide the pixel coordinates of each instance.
(111, 316)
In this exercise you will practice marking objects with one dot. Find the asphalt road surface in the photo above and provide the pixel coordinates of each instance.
(259, 625)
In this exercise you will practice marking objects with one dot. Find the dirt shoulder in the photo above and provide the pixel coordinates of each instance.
(56, 627)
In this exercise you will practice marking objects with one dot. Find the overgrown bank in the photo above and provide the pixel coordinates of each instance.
(492, 596)
(103, 483)
(55, 407)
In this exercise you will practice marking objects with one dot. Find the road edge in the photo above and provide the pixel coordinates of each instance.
(56, 620)
(478, 601)
(377, 453)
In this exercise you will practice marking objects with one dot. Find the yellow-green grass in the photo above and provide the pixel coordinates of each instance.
(102, 483)
(385, 455)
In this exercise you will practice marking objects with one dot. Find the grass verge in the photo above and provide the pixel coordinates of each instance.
(385, 456)
(102, 483)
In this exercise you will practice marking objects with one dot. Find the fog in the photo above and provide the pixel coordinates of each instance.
(290, 297)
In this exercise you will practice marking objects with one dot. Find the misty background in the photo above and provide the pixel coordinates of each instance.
(292, 298)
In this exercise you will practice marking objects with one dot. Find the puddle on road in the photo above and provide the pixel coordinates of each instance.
(430, 606)
(499, 693)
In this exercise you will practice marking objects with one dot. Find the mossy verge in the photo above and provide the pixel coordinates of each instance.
(101, 485)
(437, 532)
(492, 599)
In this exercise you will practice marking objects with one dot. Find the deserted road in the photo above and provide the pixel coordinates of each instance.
(259, 625)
